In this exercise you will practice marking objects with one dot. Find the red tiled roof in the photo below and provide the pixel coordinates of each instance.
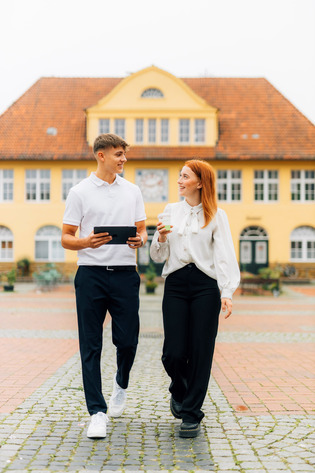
(247, 107)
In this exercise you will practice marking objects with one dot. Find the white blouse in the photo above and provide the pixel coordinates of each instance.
(210, 248)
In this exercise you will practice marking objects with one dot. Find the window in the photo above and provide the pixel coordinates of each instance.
(266, 186)
(104, 125)
(152, 93)
(153, 184)
(6, 244)
(229, 185)
(152, 130)
(52, 131)
(120, 127)
(139, 130)
(71, 177)
(37, 183)
(164, 130)
(184, 130)
(303, 186)
(48, 245)
(6, 185)
(303, 244)
(200, 130)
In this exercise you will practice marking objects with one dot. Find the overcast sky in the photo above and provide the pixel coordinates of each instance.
(274, 39)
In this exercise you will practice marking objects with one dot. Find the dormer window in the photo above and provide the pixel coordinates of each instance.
(152, 93)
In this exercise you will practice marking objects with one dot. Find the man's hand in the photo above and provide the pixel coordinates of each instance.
(69, 240)
(135, 242)
(95, 241)
(226, 306)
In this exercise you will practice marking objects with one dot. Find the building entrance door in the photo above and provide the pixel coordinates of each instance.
(254, 249)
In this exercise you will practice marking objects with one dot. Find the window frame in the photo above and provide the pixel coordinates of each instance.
(106, 129)
(152, 93)
(7, 237)
(162, 131)
(139, 121)
(70, 181)
(38, 181)
(301, 183)
(302, 242)
(182, 132)
(199, 120)
(265, 181)
(229, 180)
(152, 128)
(4, 182)
(51, 239)
(118, 122)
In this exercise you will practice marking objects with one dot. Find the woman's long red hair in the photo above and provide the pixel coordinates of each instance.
(205, 172)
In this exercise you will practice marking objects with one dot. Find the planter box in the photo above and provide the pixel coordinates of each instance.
(8, 288)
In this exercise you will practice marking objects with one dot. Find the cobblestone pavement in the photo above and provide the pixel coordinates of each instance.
(258, 408)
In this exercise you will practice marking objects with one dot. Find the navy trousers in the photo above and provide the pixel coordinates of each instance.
(98, 290)
(191, 307)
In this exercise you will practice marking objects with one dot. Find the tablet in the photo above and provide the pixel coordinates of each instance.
(120, 234)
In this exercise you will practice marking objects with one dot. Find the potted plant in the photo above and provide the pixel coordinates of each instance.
(150, 283)
(48, 278)
(23, 265)
(11, 278)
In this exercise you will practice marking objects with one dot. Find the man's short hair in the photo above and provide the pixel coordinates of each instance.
(109, 140)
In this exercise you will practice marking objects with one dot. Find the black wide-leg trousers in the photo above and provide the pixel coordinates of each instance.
(191, 307)
(98, 290)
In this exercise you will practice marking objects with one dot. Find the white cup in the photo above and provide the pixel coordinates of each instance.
(165, 218)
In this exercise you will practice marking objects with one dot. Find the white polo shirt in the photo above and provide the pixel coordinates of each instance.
(94, 202)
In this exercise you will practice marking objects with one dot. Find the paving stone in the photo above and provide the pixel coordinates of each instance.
(48, 430)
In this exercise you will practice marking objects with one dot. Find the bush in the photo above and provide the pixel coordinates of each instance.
(48, 277)
(150, 283)
(11, 276)
(150, 273)
(269, 273)
(24, 266)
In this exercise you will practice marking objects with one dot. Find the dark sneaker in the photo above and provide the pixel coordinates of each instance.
(189, 430)
(176, 408)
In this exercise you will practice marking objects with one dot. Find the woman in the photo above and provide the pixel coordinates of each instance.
(201, 274)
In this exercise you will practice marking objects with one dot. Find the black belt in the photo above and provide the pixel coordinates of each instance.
(120, 268)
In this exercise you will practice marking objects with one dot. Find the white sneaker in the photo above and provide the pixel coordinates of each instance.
(117, 402)
(97, 427)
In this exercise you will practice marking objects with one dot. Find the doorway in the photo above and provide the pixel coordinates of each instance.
(254, 249)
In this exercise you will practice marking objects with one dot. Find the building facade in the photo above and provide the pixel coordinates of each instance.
(261, 146)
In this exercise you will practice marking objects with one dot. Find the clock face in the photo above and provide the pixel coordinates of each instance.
(153, 184)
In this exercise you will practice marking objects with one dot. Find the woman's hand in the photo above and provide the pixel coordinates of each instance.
(162, 232)
(226, 306)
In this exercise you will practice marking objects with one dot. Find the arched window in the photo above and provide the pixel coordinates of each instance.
(253, 232)
(6, 244)
(152, 93)
(48, 245)
(303, 244)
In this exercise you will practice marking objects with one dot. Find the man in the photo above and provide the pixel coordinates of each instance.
(106, 278)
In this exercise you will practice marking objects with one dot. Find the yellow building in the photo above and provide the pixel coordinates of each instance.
(262, 148)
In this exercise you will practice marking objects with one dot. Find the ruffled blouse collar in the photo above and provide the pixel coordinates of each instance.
(191, 215)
